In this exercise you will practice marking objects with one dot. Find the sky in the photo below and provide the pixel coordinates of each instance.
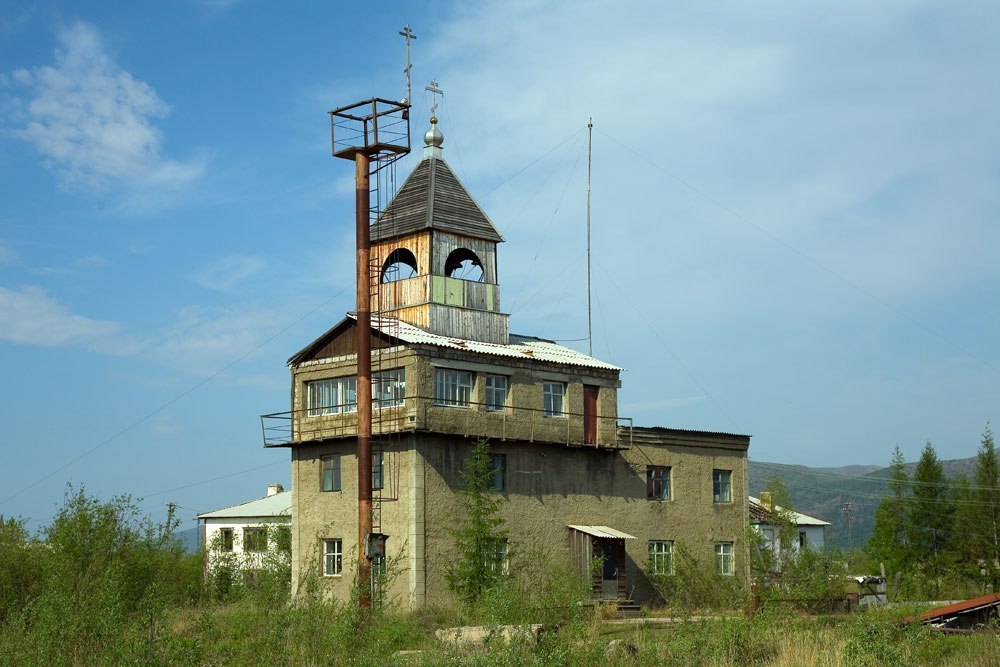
(794, 219)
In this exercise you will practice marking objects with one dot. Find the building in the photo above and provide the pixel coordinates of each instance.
(769, 519)
(245, 534)
(578, 477)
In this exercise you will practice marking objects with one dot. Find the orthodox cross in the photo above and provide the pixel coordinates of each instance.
(407, 33)
(433, 89)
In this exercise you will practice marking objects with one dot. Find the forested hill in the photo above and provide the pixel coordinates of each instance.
(822, 492)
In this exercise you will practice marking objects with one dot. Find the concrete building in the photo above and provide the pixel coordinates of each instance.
(578, 478)
(247, 532)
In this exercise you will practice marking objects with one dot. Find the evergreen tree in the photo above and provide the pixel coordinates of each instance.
(988, 495)
(966, 529)
(481, 538)
(929, 525)
(888, 543)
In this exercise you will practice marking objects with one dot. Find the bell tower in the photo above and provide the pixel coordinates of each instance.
(437, 255)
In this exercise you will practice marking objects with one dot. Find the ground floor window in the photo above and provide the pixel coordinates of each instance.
(333, 558)
(225, 539)
(661, 556)
(496, 555)
(498, 466)
(724, 557)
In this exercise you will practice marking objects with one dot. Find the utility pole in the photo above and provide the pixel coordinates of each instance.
(847, 513)
(590, 334)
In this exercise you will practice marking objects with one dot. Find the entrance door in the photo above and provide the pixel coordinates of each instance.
(590, 414)
(609, 575)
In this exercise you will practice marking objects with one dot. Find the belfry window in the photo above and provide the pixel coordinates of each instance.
(464, 264)
(399, 265)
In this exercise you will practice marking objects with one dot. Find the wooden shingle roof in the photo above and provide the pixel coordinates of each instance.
(433, 198)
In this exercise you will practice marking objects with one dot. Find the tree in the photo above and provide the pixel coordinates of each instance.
(481, 537)
(888, 543)
(929, 527)
(966, 529)
(988, 495)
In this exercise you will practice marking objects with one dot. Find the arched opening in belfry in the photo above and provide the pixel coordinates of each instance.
(399, 265)
(465, 265)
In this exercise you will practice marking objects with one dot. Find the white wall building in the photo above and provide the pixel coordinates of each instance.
(767, 519)
(248, 531)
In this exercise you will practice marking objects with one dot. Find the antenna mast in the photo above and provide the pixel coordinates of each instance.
(590, 334)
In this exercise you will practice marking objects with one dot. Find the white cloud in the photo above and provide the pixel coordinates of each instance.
(227, 272)
(94, 123)
(30, 317)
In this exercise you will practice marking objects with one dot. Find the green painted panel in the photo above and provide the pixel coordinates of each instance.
(455, 292)
(438, 289)
(490, 303)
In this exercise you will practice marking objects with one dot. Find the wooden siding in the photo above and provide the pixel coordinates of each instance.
(344, 343)
(437, 289)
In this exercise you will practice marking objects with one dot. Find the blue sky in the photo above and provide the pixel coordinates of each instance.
(794, 210)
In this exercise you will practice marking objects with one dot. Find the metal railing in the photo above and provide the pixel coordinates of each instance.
(470, 419)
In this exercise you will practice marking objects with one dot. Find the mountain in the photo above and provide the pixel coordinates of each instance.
(823, 493)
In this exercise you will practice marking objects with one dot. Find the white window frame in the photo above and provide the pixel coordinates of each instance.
(724, 558)
(332, 396)
(336, 481)
(389, 388)
(722, 486)
(333, 557)
(550, 397)
(661, 556)
(497, 390)
(496, 557)
(665, 487)
(452, 388)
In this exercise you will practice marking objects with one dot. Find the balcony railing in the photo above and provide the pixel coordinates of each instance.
(469, 419)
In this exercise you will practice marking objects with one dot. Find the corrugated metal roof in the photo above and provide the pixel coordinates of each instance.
(604, 531)
(760, 513)
(966, 607)
(270, 506)
(432, 197)
(520, 347)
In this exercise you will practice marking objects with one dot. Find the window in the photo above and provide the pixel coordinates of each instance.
(496, 393)
(452, 388)
(802, 539)
(378, 459)
(333, 558)
(255, 540)
(554, 394)
(498, 465)
(661, 556)
(332, 397)
(225, 539)
(496, 555)
(331, 472)
(724, 557)
(389, 388)
(657, 483)
(722, 486)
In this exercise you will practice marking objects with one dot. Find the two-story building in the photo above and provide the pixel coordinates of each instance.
(578, 477)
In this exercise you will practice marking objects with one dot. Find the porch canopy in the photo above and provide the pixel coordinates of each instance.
(604, 531)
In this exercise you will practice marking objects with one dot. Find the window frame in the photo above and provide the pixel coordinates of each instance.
(549, 408)
(254, 539)
(336, 481)
(722, 480)
(389, 388)
(453, 387)
(378, 470)
(227, 539)
(496, 556)
(492, 405)
(338, 385)
(499, 480)
(664, 480)
(333, 556)
(725, 555)
(660, 552)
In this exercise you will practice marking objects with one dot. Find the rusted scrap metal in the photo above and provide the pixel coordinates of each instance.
(975, 615)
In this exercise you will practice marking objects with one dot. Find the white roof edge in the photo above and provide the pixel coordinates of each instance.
(603, 531)
(279, 504)
(800, 518)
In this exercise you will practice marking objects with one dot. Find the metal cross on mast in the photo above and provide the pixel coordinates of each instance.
(433, 89)
(407, 33)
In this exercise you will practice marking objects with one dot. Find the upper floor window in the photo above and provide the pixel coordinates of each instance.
(331, 472)
(722, 486)
(452, 388)
(657, 483)
(389, 388)
(496, 393)
(333, 396)
(724, 557)
(661, 556)
(378, 470)
(554, 394)
(255, 540)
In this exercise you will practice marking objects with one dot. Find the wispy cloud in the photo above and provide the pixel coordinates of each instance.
(28, 316)
(6, 254)
(227, 272)
(93, 123)
(78, 265)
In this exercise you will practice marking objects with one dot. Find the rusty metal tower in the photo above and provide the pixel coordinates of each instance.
(374, 134)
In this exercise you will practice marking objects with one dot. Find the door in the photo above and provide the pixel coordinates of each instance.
(609, 575)
(590, 414)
